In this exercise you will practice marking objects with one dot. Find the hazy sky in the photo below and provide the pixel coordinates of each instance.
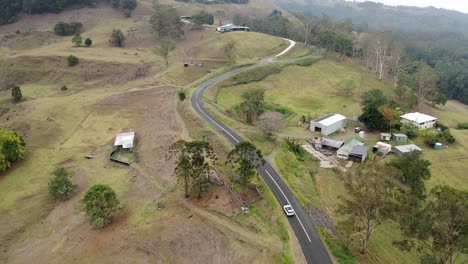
(459, 5)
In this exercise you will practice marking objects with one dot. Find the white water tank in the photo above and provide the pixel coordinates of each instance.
(362, 134)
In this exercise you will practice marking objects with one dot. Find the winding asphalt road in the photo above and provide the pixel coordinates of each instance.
(302, 224)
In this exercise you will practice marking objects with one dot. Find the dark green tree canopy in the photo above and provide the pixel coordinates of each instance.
(16, 93)
(166, 22)
(67, 29)
(203, 18)
(12, 148)
(245, 157)
(253, 104)
(437, 228)
(61, 186)
(192, 160)
(117, 38)
(415, 171)
(101, 205)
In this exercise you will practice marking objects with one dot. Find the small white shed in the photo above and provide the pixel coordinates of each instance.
(125, 140)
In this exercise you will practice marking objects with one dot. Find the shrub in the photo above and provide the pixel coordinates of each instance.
(441, 126)
(128, 4)
(410, 129)
(431, 139)
(61, 186)
(295, 148)
(72, 60)
(16, 93)
(64, 88)
(182, 95)
(11, 148)
(115, 3)
(77, 40)
(67, 29)
(450, 139)
(307, 62)
(101, 205)
(127, 13)
(88, 42)
(256, 75)
(117, 38)
(462, 125)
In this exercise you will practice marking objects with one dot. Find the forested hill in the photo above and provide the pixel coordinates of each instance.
(371, 16)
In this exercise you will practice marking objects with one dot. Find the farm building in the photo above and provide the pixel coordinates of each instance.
(385, 136)
(125, 141)
(420, 120)
(358, 153)
(231, 27)
(328, 124)
(345, 150)
(400, 137)
(406, 149)
(327, 143)
(381, 147)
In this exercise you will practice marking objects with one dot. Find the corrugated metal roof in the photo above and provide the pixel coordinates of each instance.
(359, 150)
(400, 135)
(330, 119)
(408, 148)
(346, 148)
(125, 139)
(418, 117)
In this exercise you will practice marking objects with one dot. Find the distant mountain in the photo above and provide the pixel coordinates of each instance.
(371, 15)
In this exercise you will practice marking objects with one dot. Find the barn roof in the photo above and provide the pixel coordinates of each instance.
(418, 117)
(408, 148)
(359, 151)
(330, 119)
(346, 148)
(125, 139)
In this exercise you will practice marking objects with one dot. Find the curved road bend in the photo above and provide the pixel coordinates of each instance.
(302, 224)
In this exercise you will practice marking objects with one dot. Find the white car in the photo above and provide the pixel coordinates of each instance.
(288, 210)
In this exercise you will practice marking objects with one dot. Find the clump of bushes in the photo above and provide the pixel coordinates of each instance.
(67, 29)
(16, 93)
(61, 186)
(72, 60)
(256, 74)
(439, 136)
(101, 205)
(64, 88)
(295, 148)
(410, 129)
(307, 62)
(117, 38)
(462, 126)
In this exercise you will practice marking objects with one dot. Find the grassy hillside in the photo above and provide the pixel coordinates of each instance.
(113, 90)
(311, 91)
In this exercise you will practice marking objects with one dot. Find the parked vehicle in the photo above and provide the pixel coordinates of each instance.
(357, 129)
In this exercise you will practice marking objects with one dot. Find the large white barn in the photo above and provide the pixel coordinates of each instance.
(328, 124)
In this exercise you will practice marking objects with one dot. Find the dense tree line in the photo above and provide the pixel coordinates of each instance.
(9, 10)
